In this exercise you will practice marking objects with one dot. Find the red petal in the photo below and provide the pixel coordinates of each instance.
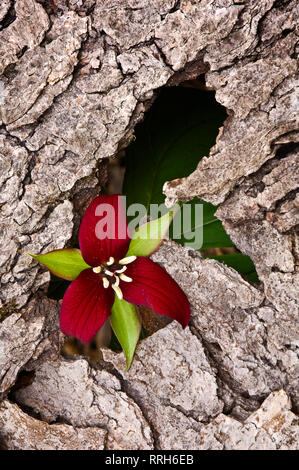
(153, 287)
(86, 306)
(105, 217)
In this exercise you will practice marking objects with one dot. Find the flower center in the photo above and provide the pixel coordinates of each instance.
(112, 272)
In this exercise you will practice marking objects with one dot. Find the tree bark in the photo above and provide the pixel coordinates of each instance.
(76, 77)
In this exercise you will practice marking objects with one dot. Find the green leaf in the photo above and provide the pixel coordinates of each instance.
(126, 326)
(241, 263)
(149, 236)
(67, 263)
(177, 132)
(214, 234)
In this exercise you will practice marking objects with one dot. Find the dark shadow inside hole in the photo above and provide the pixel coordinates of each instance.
(178, 130)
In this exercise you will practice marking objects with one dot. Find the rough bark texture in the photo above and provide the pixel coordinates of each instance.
(76, 77)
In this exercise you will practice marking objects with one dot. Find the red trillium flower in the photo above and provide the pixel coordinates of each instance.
(88, 300)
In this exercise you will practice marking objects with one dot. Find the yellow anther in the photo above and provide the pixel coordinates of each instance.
(116, 281)
(109, 273)
(118, 271)
(105, 282)
(97, 270)
(117, 291)
(128, 260)
(125, 278)
(111, 261)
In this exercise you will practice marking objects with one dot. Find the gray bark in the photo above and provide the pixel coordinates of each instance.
(75, 79)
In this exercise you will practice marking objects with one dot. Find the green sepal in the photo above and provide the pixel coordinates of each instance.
(126, 325)
(66, 263)
(149, 236)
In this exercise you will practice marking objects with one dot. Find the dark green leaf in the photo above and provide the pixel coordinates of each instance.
(214, 234)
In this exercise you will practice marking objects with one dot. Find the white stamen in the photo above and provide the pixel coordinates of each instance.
(97, 270)
(128, 260)
(116, 281)
(111, 261)
(109, 273)
(105, 282)
(125, 278)
(121, 270)
(117, 291)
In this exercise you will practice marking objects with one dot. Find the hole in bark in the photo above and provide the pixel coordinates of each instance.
(8, 18)
(284, 150)
(286, 32)
(25, 378)
(179, 129)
